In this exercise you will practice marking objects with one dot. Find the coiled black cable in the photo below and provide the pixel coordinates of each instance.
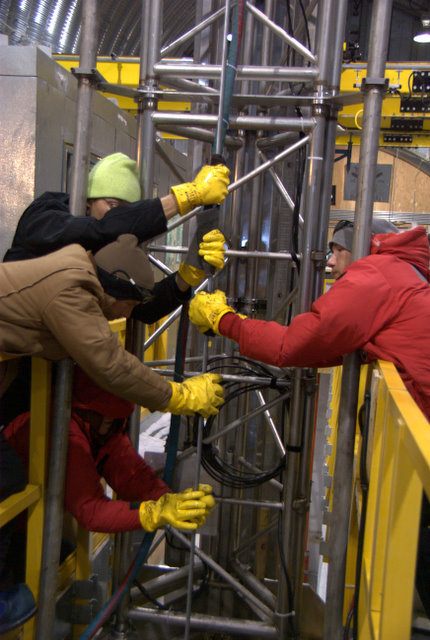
(219, 469)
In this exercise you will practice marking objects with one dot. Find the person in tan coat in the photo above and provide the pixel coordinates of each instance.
(55, 306)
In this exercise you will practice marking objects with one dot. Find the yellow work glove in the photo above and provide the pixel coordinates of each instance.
(201, 394)
(207, 309)
(182, 511)
(207, 498)
(212, 250)
(208, 187)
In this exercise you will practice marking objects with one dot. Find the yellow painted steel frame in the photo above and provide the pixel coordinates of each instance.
(398, 468)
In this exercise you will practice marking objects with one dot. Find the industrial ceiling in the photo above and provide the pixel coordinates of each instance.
(56, 23)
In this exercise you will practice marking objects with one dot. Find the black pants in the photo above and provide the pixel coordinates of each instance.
(422, 577)
(13, 478)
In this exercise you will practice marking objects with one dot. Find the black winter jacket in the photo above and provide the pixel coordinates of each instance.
(47, 225)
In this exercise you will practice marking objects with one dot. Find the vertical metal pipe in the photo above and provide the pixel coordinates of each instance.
(257, 185)
(296, 492)
(333, 83)
(220, 128)
(218, 149)
(54, 500)
(374, 89)
(84, 110)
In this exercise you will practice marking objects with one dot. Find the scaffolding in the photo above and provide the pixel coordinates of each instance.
(281, 130)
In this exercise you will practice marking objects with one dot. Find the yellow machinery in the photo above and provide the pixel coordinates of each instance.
(402, 124)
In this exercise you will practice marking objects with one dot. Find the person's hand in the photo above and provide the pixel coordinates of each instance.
(208, 187)
(200, 394)
(211, 249)
(207, 309)
(207, 498)
(181, 510)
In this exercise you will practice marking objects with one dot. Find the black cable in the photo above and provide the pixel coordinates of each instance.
(225, 473)
(308, 37)
(148, 596)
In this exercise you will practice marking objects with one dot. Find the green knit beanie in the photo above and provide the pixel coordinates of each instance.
(115, 176)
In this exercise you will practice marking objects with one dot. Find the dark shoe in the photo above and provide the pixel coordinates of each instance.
(17, 605)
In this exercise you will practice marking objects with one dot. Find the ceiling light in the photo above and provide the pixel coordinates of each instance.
(424, 35)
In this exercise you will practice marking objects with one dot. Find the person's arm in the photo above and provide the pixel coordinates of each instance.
(344, 319)
(168, 295)
(47, 225)
(76, 320)
(341, 321)
(206, 248)
(85, 499)
(127, 472)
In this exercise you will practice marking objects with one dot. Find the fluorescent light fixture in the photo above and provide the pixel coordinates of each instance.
(424, 35)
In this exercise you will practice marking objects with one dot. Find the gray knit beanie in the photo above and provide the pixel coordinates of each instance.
(344, 230)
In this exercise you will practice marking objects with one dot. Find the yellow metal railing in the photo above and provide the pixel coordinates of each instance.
(398, 469)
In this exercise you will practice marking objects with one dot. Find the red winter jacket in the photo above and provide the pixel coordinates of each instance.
(116, 460)
(379, 305)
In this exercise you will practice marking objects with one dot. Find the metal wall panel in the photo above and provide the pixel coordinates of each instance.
(38, 104)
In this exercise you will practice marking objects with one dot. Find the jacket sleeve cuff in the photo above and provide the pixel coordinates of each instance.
(230, 325)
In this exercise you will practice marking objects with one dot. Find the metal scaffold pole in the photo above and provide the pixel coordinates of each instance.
(54, 498)
(374, 87)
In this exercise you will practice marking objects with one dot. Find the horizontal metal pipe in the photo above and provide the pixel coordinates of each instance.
(252, 503)
(225, 376)
(190, 86)
(269, 255)
(267, 123)
(244, 72)
(162, 363)
(200, 134)
(205, 623)
(278, 140)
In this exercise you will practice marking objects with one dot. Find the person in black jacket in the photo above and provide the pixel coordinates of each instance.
(114, 208)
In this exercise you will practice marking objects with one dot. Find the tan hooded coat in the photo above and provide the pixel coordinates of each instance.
(52, 307)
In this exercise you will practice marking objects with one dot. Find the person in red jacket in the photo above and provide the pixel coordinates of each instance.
(99, 447)
(379, 304)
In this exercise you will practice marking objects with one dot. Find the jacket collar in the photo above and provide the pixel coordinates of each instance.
(412, 246)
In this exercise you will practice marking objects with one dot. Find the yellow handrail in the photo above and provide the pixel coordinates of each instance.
(398, 470)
